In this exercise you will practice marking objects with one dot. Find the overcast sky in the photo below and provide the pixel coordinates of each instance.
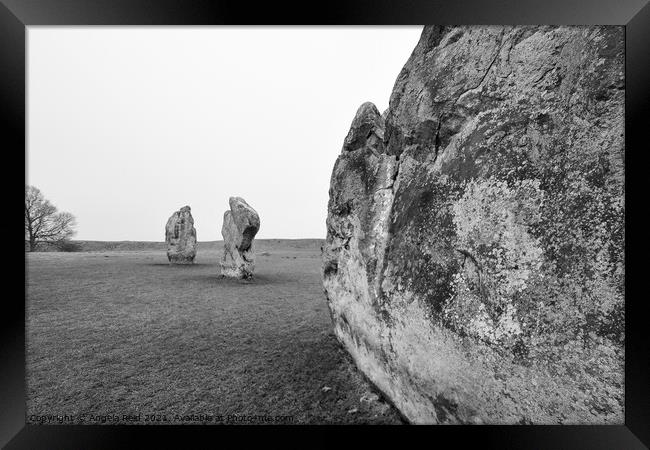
(126, 125)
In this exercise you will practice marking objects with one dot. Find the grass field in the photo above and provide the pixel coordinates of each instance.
(121, 332)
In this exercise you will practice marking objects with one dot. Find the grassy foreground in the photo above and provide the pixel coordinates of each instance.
(120, 336)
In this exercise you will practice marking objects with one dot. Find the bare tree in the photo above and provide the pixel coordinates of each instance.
(43, 222)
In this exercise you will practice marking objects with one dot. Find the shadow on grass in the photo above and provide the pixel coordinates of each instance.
(181, 266)
(215, 279)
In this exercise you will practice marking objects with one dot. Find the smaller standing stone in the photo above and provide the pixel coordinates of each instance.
(240, 225)
(180, 236)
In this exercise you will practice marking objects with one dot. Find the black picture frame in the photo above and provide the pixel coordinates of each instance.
(16, 15)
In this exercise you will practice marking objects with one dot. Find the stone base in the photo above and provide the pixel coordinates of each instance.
(182, 261)
(240, 272)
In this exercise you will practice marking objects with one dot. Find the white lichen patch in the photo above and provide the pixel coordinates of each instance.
(490, 330)
(493, 220)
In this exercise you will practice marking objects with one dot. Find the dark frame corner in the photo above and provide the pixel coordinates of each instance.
(17, 15)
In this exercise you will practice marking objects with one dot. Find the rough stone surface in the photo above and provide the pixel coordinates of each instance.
(240, 225)
(474, 261)
(180, 236)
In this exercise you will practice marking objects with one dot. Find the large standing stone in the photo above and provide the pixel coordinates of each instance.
(474, 256)
(180, 236)
(240, 225)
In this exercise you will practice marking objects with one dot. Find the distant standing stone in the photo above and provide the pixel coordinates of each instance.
(180, 236)
(240, 225)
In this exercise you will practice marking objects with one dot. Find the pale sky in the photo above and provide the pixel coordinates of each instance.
(128, 124)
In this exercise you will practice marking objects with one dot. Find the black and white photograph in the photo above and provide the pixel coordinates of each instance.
(325, 225)
(419, 224)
